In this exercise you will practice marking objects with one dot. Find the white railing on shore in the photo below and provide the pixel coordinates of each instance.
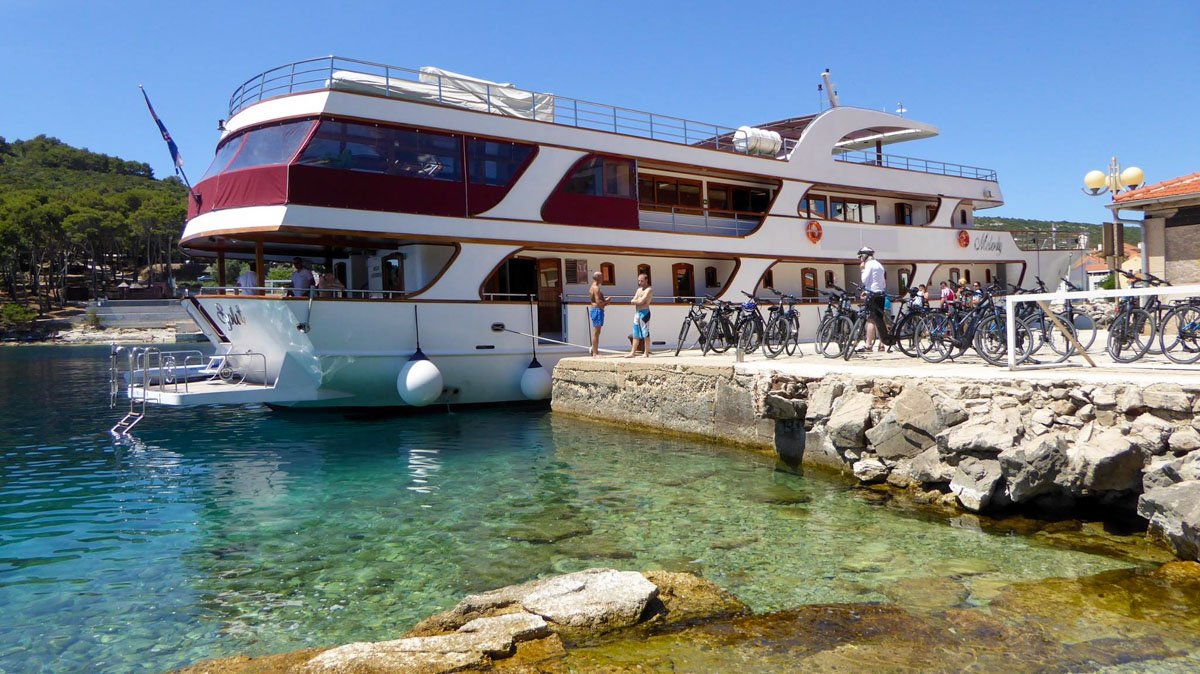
(1011, 302)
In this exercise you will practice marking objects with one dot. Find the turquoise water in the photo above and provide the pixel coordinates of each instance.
(241, 530)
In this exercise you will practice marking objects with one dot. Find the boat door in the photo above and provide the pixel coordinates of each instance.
(549, 292)
(683, 282)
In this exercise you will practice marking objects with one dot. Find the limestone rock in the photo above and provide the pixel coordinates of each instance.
(1174, 514)
(1032, 469)
(1131, 401)
(1184, 440)
(900, 475)
(1111, 462)
(444, 653)
(684, 597)
(928, 468)
(1169, 397)
(1086, 412)
(1043, 416)
(776, 406)
(510, 627)
(848, 423)
(1153, 433)
(975, 482)
(1104, 398)
(950, 412)
(870, 470)
(983, 435)
(1163, 472)
(592, 601)
(819, 449)
(910, 425)
(820, 401)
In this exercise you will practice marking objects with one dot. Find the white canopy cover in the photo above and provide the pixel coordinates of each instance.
(442, 86)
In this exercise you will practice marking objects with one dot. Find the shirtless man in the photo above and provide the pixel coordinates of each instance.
(596, 312)
(641, 317)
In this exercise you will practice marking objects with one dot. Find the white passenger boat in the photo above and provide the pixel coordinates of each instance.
(466, 216)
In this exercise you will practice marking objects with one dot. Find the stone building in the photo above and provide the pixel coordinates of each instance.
(1171, 226)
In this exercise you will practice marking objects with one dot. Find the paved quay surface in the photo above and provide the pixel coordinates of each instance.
(1150, 370)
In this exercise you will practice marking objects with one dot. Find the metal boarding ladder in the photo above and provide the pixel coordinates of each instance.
(137, 404)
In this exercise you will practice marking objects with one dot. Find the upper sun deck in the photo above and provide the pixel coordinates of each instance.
(434, 86)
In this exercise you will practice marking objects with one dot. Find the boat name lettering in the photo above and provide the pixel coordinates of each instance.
(232, 317)
(988, 242)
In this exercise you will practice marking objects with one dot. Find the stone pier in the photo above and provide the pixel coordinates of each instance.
(978, 438)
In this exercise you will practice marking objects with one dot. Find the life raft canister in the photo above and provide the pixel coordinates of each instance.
(813, 231)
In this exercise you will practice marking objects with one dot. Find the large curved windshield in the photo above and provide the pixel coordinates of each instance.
(264, 146)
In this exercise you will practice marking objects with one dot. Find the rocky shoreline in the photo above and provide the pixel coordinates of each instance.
(978, 446)
(78, 335)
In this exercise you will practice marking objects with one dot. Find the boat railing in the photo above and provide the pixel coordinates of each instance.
(395, 82)
(698, 221)
(914, 164)
(318, 293)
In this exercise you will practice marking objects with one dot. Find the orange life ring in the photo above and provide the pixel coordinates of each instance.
(964, 238)
(813, 231)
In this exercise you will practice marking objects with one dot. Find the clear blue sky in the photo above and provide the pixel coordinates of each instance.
(1040, 91)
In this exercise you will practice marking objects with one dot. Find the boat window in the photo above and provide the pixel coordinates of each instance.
(718, 198)
(271, 145)
(904, 214)
(608, 274)
(602, 177)
(930, 214)
(829, 279)
(904, 279)
(962, 217)
(808, 282)
(738, 198)
(987, 275)
(495, 163)
(769, 279)
(645, 269)
(954, 274)
(813, 206)
(710, 277)
(368, 147)
(224, 154)
(851, 210)
(667, 191)
(967, 275)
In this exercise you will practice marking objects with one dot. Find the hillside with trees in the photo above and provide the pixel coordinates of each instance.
(71, 218)
(1132, 234)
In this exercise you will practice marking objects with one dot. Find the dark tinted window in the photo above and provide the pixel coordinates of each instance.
(367, 147)
(495, 163)
(224, 154)
(602, 177)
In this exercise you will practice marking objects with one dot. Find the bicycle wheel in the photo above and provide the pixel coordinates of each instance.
(718, 338)
(830, 336)
(933, 337)
(853, 336)
(1127, 340)
(991, 340)
(751, 334)
(1058, 335)
(793, 342)
(1179, 335)
(683, 332)
(1084, 326)
(903, 335)
(776, 338)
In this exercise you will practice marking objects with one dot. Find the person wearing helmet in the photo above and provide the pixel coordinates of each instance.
(873, 292)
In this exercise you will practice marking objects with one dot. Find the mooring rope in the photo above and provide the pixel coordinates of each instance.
(555, 341)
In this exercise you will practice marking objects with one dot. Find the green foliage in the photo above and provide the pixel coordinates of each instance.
(92, 319)
(1109, 282)
(64, 208)
(16, 316)
(1132, 234)
(279, 273)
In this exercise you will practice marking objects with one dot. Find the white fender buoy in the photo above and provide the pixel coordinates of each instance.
(535, 381)
(420, 381)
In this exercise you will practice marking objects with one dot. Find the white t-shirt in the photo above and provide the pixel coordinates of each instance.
(303, 279)
(247, 280)
(872, 276)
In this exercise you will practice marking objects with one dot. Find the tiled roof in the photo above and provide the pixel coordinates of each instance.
(1175, 187)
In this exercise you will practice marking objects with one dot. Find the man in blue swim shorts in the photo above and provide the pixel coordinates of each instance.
(596, 311)
(641, 317)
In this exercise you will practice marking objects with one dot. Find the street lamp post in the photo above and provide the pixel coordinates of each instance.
(1116, 181)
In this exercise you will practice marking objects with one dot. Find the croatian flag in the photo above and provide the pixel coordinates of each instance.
(175, 156)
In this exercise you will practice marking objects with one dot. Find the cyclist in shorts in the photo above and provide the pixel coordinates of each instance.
(873, 292)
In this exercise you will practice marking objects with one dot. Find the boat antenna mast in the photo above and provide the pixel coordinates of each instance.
(829, 88)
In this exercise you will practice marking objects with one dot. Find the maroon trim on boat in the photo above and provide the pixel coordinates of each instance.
(569, 208)
(481, 198)
(341, 188)
(258, 186)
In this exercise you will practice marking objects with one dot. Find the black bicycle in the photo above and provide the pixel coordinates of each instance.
(783, 326)
(697, 317)
(836, 322)
(750, 325)
(720, 334)
(858, 329)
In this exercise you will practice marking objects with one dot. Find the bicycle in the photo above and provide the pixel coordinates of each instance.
(904, 328)
(720, 334)
(783, 326)
(982, 327)
(859, 328)
(1126, 339)
(697, 317)
(835, 322)
(1084, 324)
(750, 325)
